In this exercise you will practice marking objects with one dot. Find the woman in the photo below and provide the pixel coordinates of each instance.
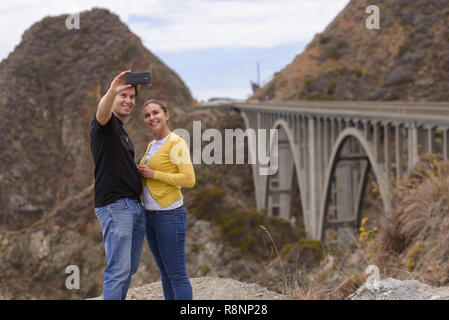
(165, 168)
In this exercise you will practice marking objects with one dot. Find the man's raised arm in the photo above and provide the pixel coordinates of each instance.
(105, 106)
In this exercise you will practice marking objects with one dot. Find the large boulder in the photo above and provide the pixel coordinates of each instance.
(393, 289)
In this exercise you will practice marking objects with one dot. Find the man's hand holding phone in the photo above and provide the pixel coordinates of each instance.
(119, 84)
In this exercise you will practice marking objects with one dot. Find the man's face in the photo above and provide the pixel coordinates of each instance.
(124, 102)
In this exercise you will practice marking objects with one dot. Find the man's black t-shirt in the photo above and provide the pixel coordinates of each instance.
(116, 175)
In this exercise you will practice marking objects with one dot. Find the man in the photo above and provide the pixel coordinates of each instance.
(117, 188)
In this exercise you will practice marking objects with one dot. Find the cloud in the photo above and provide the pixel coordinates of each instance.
(198, 25)
(175, 25)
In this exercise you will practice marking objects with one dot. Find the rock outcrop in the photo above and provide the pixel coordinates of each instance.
(393, 289)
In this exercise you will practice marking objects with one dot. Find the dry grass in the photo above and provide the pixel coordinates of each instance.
(414, 241)
(409, 245)
(295, 286)
(4, 292)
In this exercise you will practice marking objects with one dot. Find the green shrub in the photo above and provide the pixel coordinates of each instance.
(242, 228)
(286, 249)
(334, 54)
(413, 255)
(403, 49)
(358, 71)
(320, 96)
(77, 44)
(244, 276)
(204, 270)
(194, 249)
(315, 246)
(84, 30)
(207, 202)
(46, 21)
(128, 51)
(331, 87)
(324, 39)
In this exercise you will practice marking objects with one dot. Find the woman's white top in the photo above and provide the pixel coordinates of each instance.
(148, 201)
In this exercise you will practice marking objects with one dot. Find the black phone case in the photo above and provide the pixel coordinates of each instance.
(135, 78)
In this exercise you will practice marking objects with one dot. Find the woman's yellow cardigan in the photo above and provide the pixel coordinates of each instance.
(173, 170)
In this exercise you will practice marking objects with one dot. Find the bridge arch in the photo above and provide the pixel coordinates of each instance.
(261, 181)
(281, 124)
(331, 170)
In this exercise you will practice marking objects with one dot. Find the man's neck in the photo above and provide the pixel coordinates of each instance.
(121, 118)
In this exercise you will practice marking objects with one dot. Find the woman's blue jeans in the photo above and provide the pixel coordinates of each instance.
(123, 228)
(166, 235)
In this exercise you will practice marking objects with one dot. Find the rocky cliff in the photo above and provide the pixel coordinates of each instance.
(406, 59)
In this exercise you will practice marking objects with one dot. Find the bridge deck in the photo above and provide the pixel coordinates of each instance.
(427, 112)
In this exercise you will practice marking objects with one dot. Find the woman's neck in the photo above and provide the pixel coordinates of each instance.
(161, 134)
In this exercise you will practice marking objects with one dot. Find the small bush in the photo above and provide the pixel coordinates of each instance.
(77, 44)
(358, 71)
(413, 255)
(207, 202)
(403, 49)
(84, 30)
(366, 236)
(324, 39)
(128, 51)
(331, 88)
(204, 270)
(194, 249)
(286, 249)
(242, 227)
(334, 54)
(320, 96)
(314, 246)
(307, 253)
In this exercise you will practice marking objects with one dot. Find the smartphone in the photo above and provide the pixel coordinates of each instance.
(135, 78)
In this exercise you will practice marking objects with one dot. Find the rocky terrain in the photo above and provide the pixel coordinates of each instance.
(392, 289)
(208, 288)
(406, 59)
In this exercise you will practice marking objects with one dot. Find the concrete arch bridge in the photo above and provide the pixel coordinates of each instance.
(326, 150)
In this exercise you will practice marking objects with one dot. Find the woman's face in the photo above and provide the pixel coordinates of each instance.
(155, 118)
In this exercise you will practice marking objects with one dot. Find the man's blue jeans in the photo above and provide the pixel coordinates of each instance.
(123, 228)
(166, 235)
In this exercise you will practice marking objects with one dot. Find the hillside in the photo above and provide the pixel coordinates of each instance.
(406, 59)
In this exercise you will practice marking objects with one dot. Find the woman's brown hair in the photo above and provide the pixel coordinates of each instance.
(159, 103)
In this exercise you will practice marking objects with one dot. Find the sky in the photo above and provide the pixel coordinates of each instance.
(213, 45)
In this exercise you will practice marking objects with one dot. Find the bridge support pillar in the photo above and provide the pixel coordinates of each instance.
(412, 140)
(314, 182)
